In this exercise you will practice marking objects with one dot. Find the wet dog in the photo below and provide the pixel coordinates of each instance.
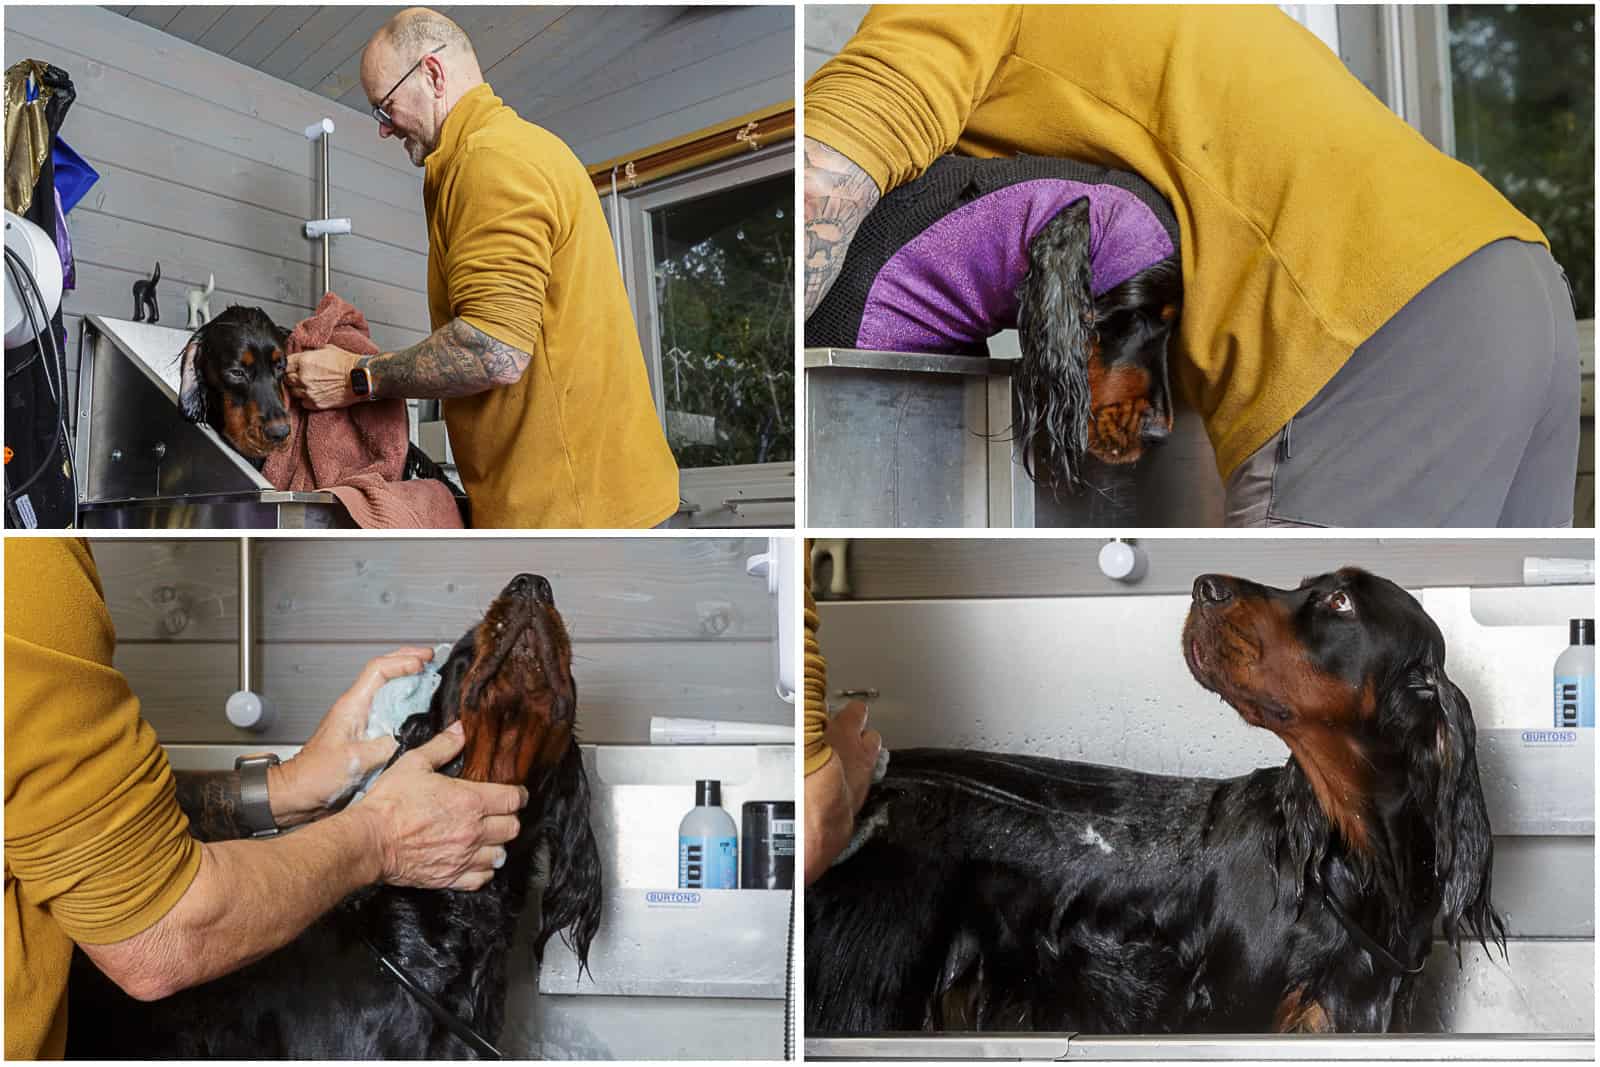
(989, 891)
(328, 994)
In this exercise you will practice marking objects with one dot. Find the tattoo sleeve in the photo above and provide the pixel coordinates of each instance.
(838, 195)
(457, 359)
(211, 800)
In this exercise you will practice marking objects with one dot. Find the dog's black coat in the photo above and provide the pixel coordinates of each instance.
(1001, 892)
(323, 996)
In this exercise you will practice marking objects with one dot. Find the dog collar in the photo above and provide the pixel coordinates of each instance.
(1380, 955)
(441, 1014)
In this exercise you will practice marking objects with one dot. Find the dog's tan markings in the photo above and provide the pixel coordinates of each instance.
(1118, 401)
(247, 357)
(1266, 675)
(511, 725)
(1298, 1015)
(1169, 312)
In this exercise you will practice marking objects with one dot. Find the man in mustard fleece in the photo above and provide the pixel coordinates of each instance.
(1373, 335)
(533, 348)
(108, 848)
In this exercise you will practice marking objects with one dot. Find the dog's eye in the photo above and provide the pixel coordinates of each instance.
(1339, 603)
(237, 376)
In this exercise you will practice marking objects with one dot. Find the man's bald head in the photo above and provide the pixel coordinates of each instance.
(442, 67)
(417, 30)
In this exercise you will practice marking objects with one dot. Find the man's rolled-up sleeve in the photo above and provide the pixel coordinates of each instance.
(504, 227)
(899, 93)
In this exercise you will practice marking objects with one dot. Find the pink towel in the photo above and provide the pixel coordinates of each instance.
(357, 453)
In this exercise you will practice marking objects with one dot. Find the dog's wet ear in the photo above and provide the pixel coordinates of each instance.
(1056, 329)
(191, 388)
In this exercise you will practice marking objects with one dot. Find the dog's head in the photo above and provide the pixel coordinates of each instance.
(509, 682)
(1092, 380)
(1349, 671)
(1130, 400)
(231, 378)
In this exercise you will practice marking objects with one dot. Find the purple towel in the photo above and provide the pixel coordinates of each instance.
(955, 284)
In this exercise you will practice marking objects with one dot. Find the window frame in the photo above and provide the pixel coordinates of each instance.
(748, 494)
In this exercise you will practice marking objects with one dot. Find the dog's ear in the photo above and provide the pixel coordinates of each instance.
(191, 384)
(1055, 323)
(1442, 750)
(572, 897)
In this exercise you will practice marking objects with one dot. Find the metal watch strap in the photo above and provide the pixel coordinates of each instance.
(255, 808)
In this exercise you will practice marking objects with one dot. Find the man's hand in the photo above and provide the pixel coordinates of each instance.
(856, 748)
(336, 759)
(320, 377)
(836, 790)
(435, 832)
(838, 195)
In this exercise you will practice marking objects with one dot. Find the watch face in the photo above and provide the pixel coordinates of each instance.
(360, 381)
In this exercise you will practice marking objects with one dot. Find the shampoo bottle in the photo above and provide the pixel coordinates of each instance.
(1575, 679)
(708, 842)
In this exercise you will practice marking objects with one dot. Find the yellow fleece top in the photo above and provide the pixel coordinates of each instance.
(1309, 212)
(817, 751)
(96, 847)
(518, 248)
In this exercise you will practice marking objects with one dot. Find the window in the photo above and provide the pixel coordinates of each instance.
(722, 268)
(1522, 90)
(708, 257)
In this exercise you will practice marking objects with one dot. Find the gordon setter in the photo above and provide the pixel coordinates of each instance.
(231, 379)
(1081, 260)
(999, 892)
(326, 995)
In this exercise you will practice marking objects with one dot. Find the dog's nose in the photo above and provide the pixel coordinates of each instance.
(533, 585)
(276, 431)
(1155, 432)
(1212, 589)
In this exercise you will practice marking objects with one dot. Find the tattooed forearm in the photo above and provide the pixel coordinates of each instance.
(838, 196)
(211, 800)
(457, 359)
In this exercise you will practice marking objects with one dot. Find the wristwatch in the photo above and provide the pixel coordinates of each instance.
(362, 383)
(255, 809)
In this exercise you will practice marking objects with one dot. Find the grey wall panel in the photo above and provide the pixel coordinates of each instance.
(146, 149)
(828, 27)
(170, 591)
(607, 589)
(896, 568)
(182, 687)
(428, 590)
(659, 626)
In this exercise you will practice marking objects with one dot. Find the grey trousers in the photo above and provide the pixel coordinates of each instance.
(1462, 410)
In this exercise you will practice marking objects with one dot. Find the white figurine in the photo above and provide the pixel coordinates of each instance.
(200, 303)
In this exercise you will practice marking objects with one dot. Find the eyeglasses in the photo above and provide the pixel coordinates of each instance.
(378, 112)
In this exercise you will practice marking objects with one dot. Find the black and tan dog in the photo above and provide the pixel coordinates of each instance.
(231, 378)
(327, 995)
(1001, 892)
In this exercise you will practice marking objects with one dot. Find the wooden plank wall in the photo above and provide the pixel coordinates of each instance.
(204, 167)
(900, 568)
(658, 626)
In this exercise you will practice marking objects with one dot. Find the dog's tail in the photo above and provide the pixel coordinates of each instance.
(156, 277)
